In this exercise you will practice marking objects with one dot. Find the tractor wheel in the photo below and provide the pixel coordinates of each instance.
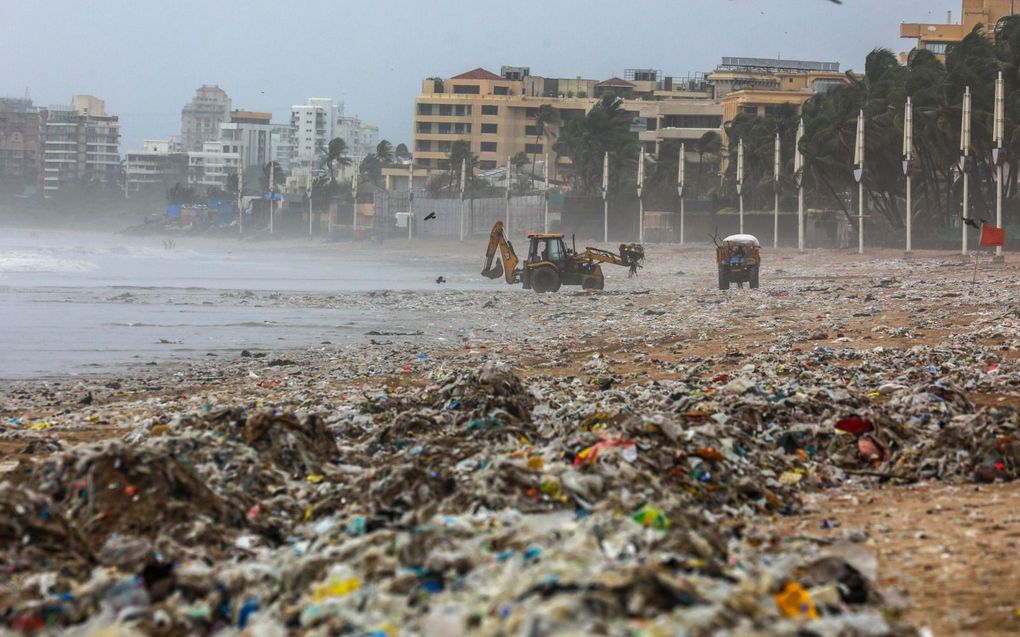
(724, 280)
(753, 281)
(545, 280)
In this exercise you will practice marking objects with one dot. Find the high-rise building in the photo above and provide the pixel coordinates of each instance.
(202, 116)
(157, 165)
(937, 37)
(361, 137)
(250, 135)
(19, 142)
(315, 124)
(284, 145)
(80, 144)
(212, 166)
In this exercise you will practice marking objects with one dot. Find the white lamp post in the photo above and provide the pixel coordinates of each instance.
(680, 187)
(798, 169)
(740, 181)
(964, 154)
(859, 176)
(908, 157)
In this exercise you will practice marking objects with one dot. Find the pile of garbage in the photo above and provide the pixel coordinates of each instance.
(486, 505)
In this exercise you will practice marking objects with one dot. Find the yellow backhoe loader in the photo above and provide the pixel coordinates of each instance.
(550, 264)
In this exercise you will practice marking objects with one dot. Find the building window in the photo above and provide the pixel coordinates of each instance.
(938, 48)
(444, 147)
(424, 127)
(531, 112)
(445, 110)
(444, 129)
(489, 129)
(501, 90)
(487, 164)
(462, 110)
(531, 131)
(533, 149)
(424, 109)
(443, 164)
(466, 89)
(424, 145)
(691, 121)
(749, 110)
(488, 147)
(462, 129)
(490, 110)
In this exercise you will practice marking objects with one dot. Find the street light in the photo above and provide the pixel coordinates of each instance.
(740, 181)
(964, 158)
(859, 176)
(908, 156)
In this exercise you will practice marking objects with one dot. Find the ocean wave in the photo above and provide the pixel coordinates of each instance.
(36, 262)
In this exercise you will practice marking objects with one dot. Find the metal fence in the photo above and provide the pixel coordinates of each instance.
(442, 217)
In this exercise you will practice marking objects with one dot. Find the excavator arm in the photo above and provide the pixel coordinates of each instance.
(631, 255)
(507, 262)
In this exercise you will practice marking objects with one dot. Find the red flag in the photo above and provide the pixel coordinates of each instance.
(992, 236)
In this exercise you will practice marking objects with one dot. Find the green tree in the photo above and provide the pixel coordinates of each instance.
(546, 119)
(585, 140)
(278, 175)
(384, 152)
(402, 152)
(336, 156)
(370, 169)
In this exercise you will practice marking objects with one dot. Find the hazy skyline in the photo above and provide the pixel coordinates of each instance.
(147, 59)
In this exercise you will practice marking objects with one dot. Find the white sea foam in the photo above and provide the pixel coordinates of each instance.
(24, 261)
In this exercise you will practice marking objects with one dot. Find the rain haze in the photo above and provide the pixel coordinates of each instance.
(559, 317)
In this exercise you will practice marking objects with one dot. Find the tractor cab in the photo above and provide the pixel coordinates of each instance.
(547, 247)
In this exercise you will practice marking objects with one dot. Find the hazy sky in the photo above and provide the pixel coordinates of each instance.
(145, 58)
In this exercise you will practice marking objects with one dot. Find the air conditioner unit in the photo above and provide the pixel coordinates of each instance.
(402, 219)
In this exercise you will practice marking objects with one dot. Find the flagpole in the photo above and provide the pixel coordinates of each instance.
(546, 175)
(463, 176)
(272, 175)
(798, 169)
(605, 198)
(908, 156)
(859, 176)
(997, 158)
(641, 201)
(775, 214)
(680, 187)
(357, 173)
(410, 196)
(740, 181)
(964, 153)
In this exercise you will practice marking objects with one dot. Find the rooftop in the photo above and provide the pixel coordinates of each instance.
(477, 74)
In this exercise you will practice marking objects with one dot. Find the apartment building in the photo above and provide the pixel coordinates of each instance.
(212, 166)
(248, 134)
(936, 37)
(79, 144)
(157, 165)
(202, 116)
(320, 121)
(19, 142)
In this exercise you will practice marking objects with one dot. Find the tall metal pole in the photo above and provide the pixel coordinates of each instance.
(798, 169)
(964, 154)
(272, 175)
(463, 178)
(908, 157)
(240, 199)
(997, 157)
(354, 189)
(740, 181)
(680, 187)
(605, 198)
(641, 201)
(859, 176)
(546, 175)
(309, 209)
(775, 213)
(410, 197)
(508, 191)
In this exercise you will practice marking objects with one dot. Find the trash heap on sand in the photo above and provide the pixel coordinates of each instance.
(479, 505)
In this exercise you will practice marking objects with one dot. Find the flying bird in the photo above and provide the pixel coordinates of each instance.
(974, 224)
(430, 216)
(440, 280)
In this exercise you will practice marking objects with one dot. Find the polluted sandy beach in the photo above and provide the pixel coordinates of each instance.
(830, 454)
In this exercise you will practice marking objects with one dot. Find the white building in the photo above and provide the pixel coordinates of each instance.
(320, 121)
(212, 165)
(250, 135)
(284, 145)
(159, 164)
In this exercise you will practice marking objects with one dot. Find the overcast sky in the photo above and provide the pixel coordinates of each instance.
(146, 58)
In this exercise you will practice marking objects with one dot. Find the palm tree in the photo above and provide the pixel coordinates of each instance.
(401, 152)
(709, 144)
(384, 152)
(516, 162)
(545, 117)
(460, 151)
(605, 128)
(336, 156)
(279, 177)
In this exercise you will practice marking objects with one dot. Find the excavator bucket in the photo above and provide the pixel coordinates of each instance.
(495, 271)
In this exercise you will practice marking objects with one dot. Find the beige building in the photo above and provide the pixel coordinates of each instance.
(80, 144)
(936, 37)
(202, 116)
(496, 114)
(19, 142)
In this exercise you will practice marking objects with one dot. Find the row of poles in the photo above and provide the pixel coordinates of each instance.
(509, 190)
